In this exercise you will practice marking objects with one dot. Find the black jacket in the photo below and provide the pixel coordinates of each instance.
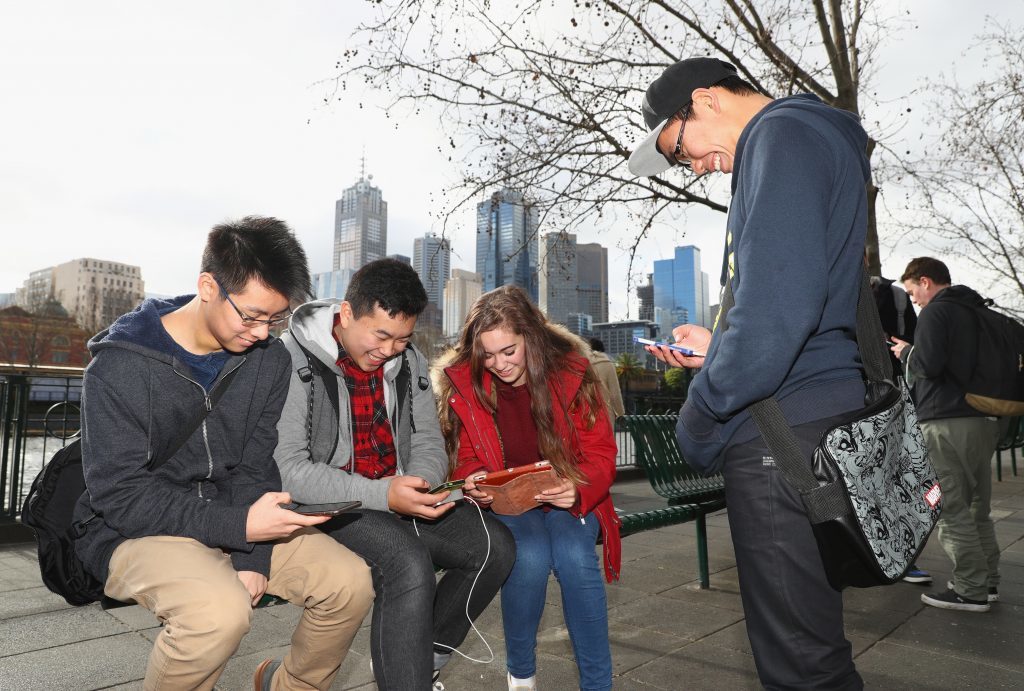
(135, 402)
(943, 356)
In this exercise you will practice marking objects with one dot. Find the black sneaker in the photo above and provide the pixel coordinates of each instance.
(950, 600)
(993, 592)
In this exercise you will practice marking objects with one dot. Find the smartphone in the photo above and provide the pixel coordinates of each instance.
(322, 509)
(670, 346)
(446, 486)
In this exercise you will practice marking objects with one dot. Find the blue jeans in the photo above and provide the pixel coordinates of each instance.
(556, 541)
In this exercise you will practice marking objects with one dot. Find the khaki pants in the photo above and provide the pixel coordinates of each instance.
(961, 451)
(195, 591)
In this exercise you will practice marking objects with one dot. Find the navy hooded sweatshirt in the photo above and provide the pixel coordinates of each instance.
(794, 252)
(137, 398)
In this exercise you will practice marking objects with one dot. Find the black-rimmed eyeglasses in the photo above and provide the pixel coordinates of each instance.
(252, 321)
(678, 157)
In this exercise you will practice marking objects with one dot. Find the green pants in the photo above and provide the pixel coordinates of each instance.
(961, 450)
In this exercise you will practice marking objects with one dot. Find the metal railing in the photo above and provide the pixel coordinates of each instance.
(38, 416)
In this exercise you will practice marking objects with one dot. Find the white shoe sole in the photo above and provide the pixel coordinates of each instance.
(957, 606)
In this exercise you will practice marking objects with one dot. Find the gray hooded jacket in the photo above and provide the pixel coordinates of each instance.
(136, 401)
(314, 449)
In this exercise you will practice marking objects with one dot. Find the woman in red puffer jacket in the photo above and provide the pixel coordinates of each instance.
(517, 390)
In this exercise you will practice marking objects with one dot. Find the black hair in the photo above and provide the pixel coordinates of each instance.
(597, 345)
(734, 85)
(920, 267)
(390, 284)
(258, 248)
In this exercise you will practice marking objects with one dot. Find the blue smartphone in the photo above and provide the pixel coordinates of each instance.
(670, 346)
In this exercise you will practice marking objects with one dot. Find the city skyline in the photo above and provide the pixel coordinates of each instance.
(119, 144)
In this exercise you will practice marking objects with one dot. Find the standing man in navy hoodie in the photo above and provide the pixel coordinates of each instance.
(199, 539)
(794, 243)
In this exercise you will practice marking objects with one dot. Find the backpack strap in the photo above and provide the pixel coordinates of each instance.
(309, 369)
(215, 394)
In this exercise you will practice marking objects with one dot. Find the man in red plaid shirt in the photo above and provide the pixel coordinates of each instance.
(360, 423)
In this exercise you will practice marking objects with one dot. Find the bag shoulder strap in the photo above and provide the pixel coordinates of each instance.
(823, 502)
(216, 393)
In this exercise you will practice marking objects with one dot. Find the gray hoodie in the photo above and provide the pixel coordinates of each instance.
(314, 449)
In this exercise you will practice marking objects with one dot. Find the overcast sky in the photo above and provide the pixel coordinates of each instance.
(127, 129)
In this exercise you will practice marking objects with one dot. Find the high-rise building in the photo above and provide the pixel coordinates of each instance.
(680, 290)
(645, 296)
(360, 225)
(558, 277)
(618, 339)
(580, 324)
(592, 262)
(37, 291)
(506, 242)
(404, 258)
(461, 291)
(94, 292)
(432, 259)
(329, 285)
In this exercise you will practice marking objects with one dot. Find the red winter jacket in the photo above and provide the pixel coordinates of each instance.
(480, 447)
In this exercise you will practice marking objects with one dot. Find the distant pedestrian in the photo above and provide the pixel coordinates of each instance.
(794, 250)
(604, 368)
(961, 439)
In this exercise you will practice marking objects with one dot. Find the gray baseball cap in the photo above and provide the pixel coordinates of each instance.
(665, 97)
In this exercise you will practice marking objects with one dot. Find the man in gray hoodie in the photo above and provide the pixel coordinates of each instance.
(360, 423)
(192, 529)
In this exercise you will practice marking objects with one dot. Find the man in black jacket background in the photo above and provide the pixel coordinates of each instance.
(961, 439)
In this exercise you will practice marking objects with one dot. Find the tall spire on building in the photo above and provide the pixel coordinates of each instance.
(362, 165)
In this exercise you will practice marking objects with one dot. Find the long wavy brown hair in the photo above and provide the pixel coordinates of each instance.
(547, 347)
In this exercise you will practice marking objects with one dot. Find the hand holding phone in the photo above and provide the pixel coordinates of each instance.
(452, 487)
(671, 346)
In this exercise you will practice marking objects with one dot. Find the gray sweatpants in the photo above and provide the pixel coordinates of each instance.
(961, 450)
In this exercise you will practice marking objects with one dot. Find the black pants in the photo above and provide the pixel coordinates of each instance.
(409, 614)
(794, 618)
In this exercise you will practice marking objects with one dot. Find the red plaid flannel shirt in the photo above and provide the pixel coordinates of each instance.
(373, 445)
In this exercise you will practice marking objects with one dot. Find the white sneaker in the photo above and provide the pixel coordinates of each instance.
(515, 684)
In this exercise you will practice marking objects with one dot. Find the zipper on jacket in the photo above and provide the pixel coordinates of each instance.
(208, 404)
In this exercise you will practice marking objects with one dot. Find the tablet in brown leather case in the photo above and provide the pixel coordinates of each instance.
(514, 489)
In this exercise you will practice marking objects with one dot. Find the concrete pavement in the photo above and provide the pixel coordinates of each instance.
(665, 632)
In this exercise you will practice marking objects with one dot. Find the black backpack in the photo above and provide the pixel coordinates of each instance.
(997, 383)
(48, 510)
(50, 506)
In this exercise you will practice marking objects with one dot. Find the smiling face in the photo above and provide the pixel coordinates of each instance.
(702, 146)
(505, 355)
(224, 321)
(374, 338)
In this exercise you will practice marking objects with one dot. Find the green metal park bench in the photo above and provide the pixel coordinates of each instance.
(690, 496)
(1011, 440)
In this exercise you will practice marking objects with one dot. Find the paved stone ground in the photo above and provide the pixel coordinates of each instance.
(666, 633)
